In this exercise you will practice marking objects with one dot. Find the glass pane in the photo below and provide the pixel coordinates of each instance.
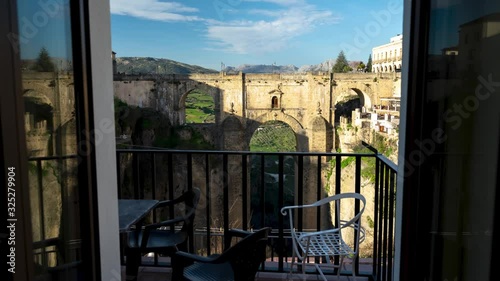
(462, 81)
(49, 98)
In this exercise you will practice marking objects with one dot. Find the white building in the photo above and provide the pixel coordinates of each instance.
(388, 57)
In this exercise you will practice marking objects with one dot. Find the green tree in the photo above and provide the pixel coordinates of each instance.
(361, 66)
(341, 65)
(369, 64)
(43, 62)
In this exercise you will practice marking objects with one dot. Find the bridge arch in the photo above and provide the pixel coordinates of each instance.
(277, 116)
(294, 124)
(203, 88)
(365, 98)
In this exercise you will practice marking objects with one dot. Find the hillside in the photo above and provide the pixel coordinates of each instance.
(325, 66)
(261, 68)
(147, 65)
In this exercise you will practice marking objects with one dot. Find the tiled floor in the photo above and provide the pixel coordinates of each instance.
(164, 274)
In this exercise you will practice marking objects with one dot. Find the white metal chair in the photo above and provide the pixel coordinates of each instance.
(330, 242)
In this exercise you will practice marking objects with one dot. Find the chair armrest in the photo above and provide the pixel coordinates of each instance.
(179, 199)
(187, 257)
(147, 229)
(316, 233)
(238, 233)
(164, 203)
(164, 223)
(234, 233)
(284, 209)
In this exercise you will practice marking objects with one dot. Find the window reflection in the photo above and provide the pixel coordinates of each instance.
(49, 98)
(462, 77)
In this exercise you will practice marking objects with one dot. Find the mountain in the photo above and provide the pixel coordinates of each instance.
(262, 68)
(324, 66)
(147, 65)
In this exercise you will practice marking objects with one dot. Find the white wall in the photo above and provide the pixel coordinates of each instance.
(102, 88)
(402, 133)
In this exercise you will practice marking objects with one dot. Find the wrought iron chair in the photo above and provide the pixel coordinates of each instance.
(237, 263)
(165, 237)
(330, 242)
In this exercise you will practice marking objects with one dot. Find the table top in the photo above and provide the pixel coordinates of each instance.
(133, 210)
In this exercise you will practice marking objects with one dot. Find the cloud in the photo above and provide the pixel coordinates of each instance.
(280, 2)
(266, 13)
(263, 36)
(267, 31)
(154, 10)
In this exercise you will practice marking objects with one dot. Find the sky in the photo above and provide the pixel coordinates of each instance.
(236, 32)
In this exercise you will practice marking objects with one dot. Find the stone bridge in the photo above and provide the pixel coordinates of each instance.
(243, 102)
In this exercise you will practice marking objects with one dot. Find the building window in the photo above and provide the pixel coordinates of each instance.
(274, 102)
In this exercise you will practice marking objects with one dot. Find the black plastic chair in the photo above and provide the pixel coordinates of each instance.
(165, 237)
(237, 263)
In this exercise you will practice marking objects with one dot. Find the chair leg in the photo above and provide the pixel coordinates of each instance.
(293, 261)
(132, 264)
(341, 264)
(304, 265)
(352, 268)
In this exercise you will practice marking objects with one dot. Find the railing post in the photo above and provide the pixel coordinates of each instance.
(391, 223)
(244, 190)
(380, 223)
(170, 168)
(208, 202)
(262, 190)
(338, 177)
(135, 169)
(300, 191)
(281, 190)
(375, 219)
(40, 204)
(357, 189)
(319, 196)
(225, 188)
(189, 169)
(386, 210)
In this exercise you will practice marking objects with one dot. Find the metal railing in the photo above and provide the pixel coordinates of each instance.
(52, 180)
(236, 194)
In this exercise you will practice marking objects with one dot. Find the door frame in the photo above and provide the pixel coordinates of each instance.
(13, 150)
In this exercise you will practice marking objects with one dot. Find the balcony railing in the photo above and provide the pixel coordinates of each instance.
(247, 189)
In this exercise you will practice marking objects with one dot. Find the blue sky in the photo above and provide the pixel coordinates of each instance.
(237, 32)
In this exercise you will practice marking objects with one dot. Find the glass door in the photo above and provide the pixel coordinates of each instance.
(452, 141)
(52, 124)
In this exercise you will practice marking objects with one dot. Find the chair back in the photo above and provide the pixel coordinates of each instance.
(353, 222)
(190, 200)
(246, 255)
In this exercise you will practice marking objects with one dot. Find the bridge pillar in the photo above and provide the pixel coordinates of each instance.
(321, 139)
(233, 134)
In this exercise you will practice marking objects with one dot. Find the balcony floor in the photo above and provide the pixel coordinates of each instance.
(164, 274)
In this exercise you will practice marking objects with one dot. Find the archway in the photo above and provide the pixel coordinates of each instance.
(273, 136)
(199, 107)
(348, 101)
(265, 177)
